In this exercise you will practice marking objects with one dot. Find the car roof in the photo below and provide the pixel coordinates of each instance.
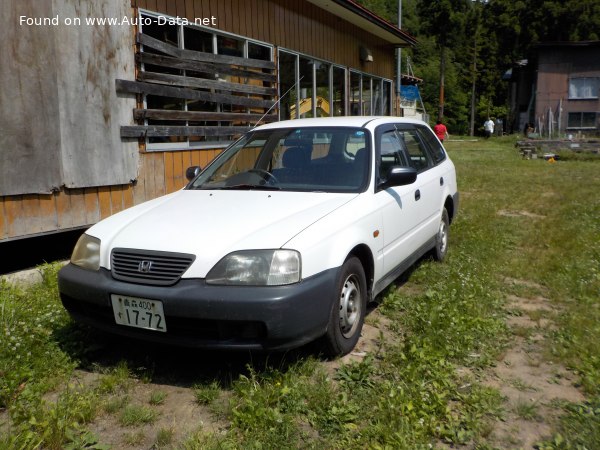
(345, 121)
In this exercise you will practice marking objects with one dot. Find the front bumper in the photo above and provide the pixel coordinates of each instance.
(205, 316)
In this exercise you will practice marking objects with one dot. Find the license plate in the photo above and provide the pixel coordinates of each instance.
(139, 312)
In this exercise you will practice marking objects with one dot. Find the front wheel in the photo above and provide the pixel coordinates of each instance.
(348, 312)
(441, 239)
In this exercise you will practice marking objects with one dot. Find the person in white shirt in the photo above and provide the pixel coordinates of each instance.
(488, 127)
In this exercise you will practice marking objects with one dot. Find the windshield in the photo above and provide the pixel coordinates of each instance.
(324, 159)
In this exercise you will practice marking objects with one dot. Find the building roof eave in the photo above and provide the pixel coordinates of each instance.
(360, 16)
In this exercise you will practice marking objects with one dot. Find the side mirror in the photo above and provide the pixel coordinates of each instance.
(399, 176)
(192, 172)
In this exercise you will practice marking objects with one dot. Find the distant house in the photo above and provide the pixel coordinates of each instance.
(105, 103)
(559, 93)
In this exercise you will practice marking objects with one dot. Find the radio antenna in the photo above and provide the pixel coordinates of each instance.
(279, 99)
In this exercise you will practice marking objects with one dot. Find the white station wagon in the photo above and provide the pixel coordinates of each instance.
(281, 240)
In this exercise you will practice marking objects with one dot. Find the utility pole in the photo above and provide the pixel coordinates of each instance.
(474, 80)
(476, 4)
(399, 63)
(442, 80)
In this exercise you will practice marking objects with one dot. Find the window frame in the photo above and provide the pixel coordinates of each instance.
(573, 89)
(181, 25)
(385, 102)
(296, 87)
(435, 148)
(581, 121)
(422, 145)
(373, 79)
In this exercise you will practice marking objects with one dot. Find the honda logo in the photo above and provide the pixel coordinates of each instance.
(145, 266)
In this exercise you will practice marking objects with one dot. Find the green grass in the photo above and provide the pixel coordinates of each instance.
(157, 398)
(135, 415)
(525, 220)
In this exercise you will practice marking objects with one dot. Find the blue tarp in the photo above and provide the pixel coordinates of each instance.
(410, 93)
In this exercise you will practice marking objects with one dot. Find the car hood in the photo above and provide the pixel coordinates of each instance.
(211, 224)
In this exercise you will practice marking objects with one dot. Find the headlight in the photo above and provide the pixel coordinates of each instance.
(87, 253)
(257, 268)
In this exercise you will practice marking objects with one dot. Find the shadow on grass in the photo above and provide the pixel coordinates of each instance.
(100, 352)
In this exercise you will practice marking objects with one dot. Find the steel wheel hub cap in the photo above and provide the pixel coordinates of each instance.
(350, 304)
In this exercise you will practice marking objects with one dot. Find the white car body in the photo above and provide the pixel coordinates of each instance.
(327, 233)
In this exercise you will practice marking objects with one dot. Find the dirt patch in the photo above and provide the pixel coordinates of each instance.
(529, 382)
(176, 416)
(510, 213)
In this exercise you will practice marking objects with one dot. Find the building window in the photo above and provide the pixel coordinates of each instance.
(369, 95)
(306, 83)
(582, 120)
(339, 92)
(288, 70)
(355, 94)
(324, 88)
(387, 98)
(313, 88)
(201, 88)
(583, 88)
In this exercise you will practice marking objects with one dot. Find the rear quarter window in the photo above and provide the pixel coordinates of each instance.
(433, 145)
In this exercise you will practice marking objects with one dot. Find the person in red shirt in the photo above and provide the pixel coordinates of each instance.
(440, 131)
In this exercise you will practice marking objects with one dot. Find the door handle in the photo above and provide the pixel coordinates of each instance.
(417, 195)
(441, 181)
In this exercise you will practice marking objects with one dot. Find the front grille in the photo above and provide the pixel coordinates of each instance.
(149, 267)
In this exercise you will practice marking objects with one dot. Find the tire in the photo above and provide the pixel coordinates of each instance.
(441, 239)
(348, 310)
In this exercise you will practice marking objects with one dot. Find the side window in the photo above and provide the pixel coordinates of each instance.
(435, 148)
(418, 156)
(390, 153)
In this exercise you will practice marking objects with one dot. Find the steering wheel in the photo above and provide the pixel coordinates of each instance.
(267, 176)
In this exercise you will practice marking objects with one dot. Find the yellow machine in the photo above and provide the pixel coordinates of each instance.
(306, 106)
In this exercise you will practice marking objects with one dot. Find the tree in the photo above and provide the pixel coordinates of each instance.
(465, 46)
(444, 19)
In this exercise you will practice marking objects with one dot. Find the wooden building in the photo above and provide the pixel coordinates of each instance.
(558, 91)
(568, 84)
(105, 103)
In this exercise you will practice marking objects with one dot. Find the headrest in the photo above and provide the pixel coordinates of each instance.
(296, 157)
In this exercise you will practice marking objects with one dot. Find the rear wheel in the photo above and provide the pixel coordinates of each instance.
(441, 239)
(348, 311)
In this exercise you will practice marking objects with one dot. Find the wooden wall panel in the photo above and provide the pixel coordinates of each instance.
(92, 206)
(76, 212)
(116, 199)
(12, 212)
(104, 202)
(148, 175)
(31, 212)
(189, 9)
(159, 175)
(180, 7)
(178, 171)
(63, 206)
(128, 197)
(47, 213)
(169, 172)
